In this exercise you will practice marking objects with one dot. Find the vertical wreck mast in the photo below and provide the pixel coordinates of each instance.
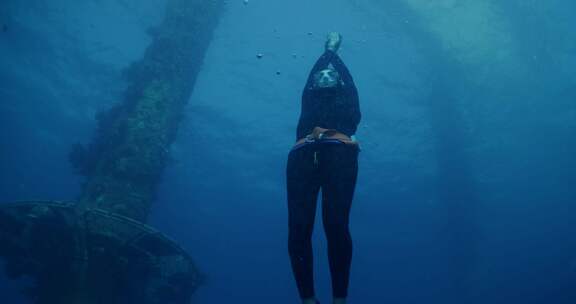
(124, 163)
(99, 250)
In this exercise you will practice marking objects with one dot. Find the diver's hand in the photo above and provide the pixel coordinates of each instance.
(333, 42)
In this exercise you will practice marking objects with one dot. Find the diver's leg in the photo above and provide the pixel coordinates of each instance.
(339, 166)
(303, 185)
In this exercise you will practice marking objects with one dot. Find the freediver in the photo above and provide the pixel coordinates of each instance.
(325, 157)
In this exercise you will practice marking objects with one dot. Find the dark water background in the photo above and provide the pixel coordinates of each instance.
(466, 192)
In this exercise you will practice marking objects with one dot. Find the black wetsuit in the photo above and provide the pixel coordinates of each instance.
(330, 166)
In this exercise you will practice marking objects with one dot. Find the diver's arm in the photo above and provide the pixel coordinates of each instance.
(350, 91)
(306, 112)
(352, 115)
(343, 71)
(355, 114)
(304, 123)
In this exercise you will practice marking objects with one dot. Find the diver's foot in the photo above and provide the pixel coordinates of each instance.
(333, 42)
(340, 301)
(310, 301)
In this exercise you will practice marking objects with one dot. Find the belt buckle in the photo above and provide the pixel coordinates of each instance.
(309, 139)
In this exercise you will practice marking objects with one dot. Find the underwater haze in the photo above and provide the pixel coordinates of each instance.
(467, 175)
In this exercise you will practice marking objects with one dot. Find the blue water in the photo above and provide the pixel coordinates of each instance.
(483, 108)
